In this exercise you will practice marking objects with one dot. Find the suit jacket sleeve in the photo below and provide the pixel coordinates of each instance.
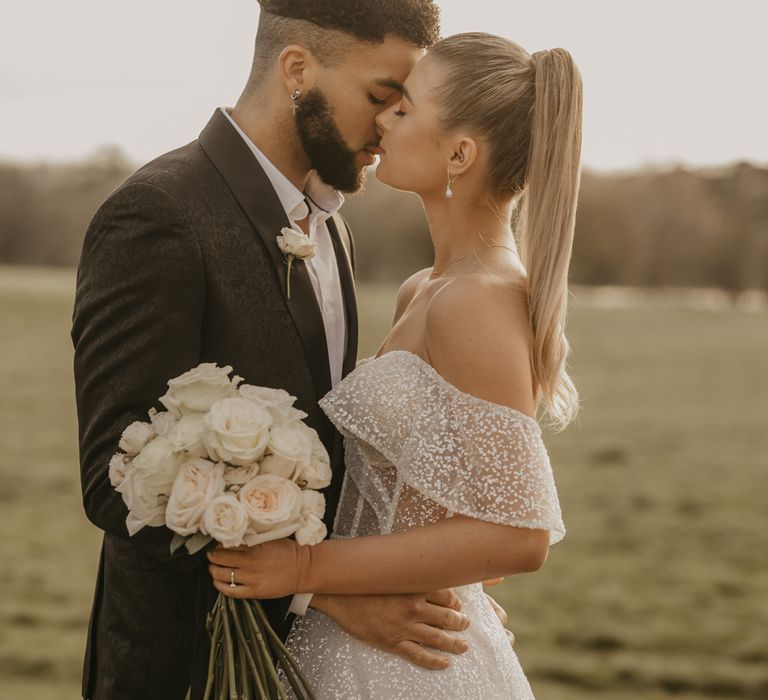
(137, 323)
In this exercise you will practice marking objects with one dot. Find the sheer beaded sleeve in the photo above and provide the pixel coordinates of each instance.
(482, 460)
(470, 456)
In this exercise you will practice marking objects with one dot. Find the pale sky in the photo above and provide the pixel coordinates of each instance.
(666, 81)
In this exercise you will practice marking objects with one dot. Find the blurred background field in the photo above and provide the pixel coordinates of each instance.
(659, 590)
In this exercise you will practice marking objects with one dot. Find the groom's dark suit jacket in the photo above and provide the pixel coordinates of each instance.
(181, 266)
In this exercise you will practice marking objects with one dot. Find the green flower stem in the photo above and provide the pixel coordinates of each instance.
(290, 677)
(242, 667)
(258, 631)
(260, 653)
(229, 657)
(285, 655)
(224, 689)
(246, 659)
(290, 258)
(215, 648)
(288, 671)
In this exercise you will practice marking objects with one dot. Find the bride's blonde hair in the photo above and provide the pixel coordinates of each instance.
(527, 108)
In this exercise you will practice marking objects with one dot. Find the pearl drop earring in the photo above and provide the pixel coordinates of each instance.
(449, 190)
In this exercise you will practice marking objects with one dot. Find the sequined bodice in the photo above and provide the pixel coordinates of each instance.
(418, 450)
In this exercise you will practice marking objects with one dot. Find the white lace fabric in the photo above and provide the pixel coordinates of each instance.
(418, 450)
(404, 425)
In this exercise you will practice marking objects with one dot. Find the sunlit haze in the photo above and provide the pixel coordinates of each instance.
(665, 82)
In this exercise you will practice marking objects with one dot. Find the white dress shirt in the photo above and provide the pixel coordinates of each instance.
(320, 202)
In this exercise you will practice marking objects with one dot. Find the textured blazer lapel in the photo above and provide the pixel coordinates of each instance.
(346, 276)
(258, 200)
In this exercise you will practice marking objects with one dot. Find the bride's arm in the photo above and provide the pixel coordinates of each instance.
(453, 552)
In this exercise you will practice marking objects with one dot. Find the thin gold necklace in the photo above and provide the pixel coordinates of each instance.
(463, 257)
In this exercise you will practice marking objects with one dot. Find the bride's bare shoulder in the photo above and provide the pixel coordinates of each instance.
(478, 336)
(408, 289)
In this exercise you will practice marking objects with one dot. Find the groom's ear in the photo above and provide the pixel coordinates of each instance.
(298, 68)
(463, 155)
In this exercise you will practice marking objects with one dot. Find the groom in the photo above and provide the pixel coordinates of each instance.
(181, 265)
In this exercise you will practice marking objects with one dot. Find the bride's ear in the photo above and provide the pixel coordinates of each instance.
(463, 155)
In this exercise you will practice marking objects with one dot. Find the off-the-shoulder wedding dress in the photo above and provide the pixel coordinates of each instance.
(419, 450)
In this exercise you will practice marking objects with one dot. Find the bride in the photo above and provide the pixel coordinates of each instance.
(447, 480)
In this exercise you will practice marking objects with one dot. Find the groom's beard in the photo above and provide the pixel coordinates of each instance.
(324, 145)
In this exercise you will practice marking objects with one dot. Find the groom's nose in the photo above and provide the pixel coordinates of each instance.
(384, 120)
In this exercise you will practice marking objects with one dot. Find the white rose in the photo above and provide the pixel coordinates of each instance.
(199, 388)
(197, 484)
(277, 466)
(238, 431)
(290, 449)
(296, 243)
(135, 436)
(316, 474)
(146, 505)
(318, 448)
(253, 537)
(158, 463)
(188, 435)
(237, 476)
(118, 466)
(312, 503)
(312, 531)
(225, 520)
(271, 502)
(162, 422)
(265, 395)
(287, 414)
(278, 401)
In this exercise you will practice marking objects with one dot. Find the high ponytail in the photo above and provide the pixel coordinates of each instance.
(547, 224)
(528, 109)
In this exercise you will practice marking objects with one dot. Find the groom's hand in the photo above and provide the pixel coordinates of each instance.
(402, 624)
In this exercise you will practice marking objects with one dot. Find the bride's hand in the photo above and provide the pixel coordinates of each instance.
(271, 570)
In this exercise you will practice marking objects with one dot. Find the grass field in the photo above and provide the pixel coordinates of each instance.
(659, 590)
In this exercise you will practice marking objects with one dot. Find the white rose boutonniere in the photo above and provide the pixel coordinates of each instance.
(294, 244)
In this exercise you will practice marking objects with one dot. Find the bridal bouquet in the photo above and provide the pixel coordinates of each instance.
(233, 463)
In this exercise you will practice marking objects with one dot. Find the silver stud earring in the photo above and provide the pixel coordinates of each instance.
(294, 97)
(449, 190)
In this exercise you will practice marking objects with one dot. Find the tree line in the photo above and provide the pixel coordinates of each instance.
(674, 227)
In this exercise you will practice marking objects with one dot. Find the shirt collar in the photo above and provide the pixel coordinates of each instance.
(322, 200)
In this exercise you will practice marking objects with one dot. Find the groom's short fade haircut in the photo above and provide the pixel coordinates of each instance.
(416, 21)
(327, 27)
